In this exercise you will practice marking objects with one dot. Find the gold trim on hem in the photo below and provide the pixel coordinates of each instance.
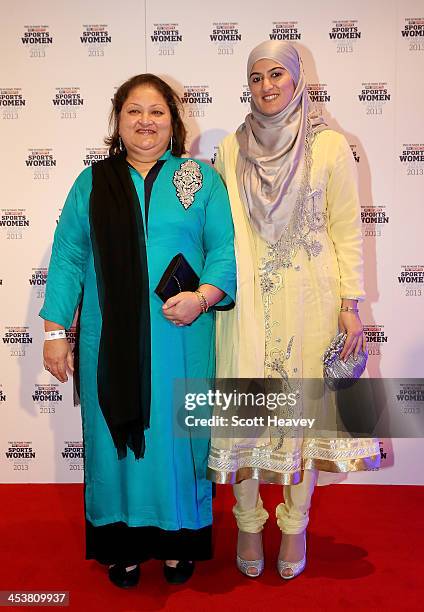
(363, 464)
(245, 473)
(370, 463)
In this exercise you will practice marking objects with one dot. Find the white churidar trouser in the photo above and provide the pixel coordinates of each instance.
(292, 515)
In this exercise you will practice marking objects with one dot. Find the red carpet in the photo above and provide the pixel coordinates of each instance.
(363, 555)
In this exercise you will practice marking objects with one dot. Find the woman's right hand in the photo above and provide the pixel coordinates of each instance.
(350, 324)
(58, 358)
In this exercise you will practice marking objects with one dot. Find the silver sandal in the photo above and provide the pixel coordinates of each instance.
(244, 566)
(296, 567)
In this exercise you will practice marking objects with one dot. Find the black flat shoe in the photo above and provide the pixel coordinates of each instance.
(179, 574)
(123, 579)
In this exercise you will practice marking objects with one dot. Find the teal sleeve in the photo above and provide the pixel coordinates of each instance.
(218, 239)
(70, 252)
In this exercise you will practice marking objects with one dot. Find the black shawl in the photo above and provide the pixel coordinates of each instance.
(120, 259)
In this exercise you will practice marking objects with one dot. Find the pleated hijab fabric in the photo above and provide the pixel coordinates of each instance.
(271, 163)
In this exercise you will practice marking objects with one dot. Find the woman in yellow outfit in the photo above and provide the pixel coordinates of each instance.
(293, 193)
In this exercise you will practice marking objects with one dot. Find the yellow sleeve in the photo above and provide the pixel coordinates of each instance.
(344, 221)
(219, 163)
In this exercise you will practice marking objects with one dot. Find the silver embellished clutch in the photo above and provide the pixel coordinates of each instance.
(338, 373)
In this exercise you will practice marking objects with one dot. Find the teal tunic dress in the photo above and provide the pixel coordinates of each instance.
(166, 493)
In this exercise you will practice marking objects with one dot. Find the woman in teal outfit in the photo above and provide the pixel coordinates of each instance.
(146, 492)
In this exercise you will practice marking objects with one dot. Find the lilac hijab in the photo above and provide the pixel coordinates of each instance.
(271, 166)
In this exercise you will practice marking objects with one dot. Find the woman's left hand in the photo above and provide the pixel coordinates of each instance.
(182, 309)
(350, 323)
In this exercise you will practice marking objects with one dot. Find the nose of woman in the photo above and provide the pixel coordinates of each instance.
(266, 84)
(145, 118)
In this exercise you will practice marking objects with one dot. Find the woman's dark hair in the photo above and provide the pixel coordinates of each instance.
(172, 99)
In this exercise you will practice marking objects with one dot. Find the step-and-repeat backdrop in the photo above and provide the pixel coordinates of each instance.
(60, 65)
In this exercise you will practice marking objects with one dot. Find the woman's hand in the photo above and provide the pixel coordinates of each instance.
(182, 309)
(58, 358)
(350, 323)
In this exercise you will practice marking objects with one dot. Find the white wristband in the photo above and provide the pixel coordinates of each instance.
(55, 334)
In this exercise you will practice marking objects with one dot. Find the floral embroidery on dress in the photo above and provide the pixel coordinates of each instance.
(302, 232)
(276, 358)
(270, 282)
(291, 450)
(306, 222)
(275, 363)
(267, 284)
(188, 180)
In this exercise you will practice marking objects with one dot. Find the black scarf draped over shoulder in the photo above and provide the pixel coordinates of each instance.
(120, 260)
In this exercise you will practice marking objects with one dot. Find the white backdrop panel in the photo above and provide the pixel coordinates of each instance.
(59, 67)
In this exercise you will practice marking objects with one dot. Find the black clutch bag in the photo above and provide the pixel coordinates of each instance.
(178, 276)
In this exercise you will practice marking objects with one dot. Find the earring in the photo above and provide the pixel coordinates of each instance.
(170, 144)
(121, 144)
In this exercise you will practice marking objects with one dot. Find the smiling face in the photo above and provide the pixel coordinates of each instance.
(271, 86)
(145, 124)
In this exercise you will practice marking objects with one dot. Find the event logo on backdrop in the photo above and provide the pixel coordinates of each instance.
(68, 101)
(73, 454)
(37, 38)
(374, 97)
(413, 32)
(409, 397)
(17, 338)
(95, 38)
(246, 96)
(225, 35)
(41, 161)
(318, 95)
(356, 156)
(166, 38)
(11, 102)
(374, 219)
(71, 335)
(375, 337)
(345, 34)
(214, 154)
(16, 221)
(411, 394)
(94, 154)
(285, 30)
(46, 396)
(197, 98)
(411, 280)
(351, 36)
(20, 455)
(412, 158)
(37, 281)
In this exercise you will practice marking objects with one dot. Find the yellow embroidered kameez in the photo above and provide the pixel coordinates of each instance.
(287, 310)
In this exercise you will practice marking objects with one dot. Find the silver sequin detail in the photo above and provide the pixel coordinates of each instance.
(222, 460)
(188, 180)
(335, 369)
(296, 567)
(306, 221)
(302, 232)
(244, 566)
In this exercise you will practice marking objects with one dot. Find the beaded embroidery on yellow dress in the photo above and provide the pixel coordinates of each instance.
(287, 311)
